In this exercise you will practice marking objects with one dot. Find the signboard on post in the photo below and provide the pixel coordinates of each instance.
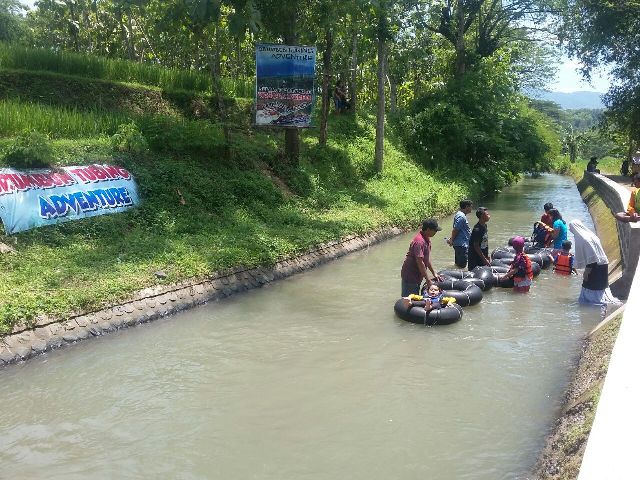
(285, 77)
(35, 198)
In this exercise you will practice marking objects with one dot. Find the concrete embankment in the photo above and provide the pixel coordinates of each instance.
(158, 302)
(594, 438)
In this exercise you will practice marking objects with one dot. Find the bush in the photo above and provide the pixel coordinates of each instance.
(30, 149)
(129, 138)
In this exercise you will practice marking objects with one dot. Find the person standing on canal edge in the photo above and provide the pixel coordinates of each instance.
(461, 233)
(591, 256)
(479, 241)
(633, 209)
(417, 262)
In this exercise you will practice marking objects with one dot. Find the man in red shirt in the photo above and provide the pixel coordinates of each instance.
(418, 259)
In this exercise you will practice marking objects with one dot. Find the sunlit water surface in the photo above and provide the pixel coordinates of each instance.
(313, 377)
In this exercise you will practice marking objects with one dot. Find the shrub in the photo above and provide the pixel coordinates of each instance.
(30, 149)
(129, 138)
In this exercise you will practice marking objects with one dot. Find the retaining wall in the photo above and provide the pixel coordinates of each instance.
(612, 445)
(616, 198)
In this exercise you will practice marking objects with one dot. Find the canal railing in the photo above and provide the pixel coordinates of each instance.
(612, 447)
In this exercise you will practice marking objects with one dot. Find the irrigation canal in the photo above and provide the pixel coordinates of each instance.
(313, 377)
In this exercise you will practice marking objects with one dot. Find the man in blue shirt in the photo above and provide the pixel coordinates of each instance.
(461, 233)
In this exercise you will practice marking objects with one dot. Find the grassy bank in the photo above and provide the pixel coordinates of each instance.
(562, 456)
(203, 212)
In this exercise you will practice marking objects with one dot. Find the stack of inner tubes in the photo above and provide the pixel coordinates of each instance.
(465, 292)
(417, 314)
(467, 287)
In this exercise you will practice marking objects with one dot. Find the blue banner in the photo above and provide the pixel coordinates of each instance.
(35, 198)
(285, 76)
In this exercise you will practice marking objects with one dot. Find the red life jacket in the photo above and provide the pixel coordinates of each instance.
(522, 273)
(563, 263)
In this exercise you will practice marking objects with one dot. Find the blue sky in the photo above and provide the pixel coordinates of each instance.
(568, 79)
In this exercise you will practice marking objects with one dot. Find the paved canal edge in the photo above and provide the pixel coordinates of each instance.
(157, 302)
(595, 435)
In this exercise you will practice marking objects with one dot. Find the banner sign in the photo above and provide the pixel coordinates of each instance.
(285, 76)
(35, 198)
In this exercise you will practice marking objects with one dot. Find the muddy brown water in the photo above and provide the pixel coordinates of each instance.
(313, 377)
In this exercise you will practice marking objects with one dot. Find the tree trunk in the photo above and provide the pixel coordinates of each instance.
(291, 135)
(326, 85)
(75, 26)
(130, 46)
(460, 47)
(381, 99)
(213, 57)
(354, 66)
(393, 95)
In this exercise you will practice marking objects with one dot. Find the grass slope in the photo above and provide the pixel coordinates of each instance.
(234, 212)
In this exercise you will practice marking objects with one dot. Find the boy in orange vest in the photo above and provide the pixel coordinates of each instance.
(563, 260)
(633, 209)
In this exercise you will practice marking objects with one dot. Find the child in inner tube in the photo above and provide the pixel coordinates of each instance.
(432, 298)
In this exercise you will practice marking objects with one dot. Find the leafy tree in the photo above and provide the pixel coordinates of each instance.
(605, 33)
(11, 22)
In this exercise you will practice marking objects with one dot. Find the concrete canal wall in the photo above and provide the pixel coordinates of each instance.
(595, 436)
(611, 449)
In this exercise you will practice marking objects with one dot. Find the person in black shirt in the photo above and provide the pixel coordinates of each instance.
(479, 241)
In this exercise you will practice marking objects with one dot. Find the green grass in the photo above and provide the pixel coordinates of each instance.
(607, 166)
(162, 132)
(234, 215)
(23, 58)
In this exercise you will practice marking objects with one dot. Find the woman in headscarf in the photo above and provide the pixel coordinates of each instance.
(520, 268)
(590, 255)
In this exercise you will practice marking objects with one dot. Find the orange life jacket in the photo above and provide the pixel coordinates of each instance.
(563, 263)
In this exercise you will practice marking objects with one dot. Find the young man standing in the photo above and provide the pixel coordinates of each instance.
(418, 259)
(479, 241)
(461, 233)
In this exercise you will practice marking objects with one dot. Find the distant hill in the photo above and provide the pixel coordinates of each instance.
(571, 100)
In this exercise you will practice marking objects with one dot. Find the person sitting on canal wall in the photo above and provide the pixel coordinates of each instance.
(633, 209)
(559, 229)
(417, 262)
(624, 168)
(520, 269)
(591, 166)
(432, 298)
(563, 260)
(635, 162)
(591, 256)
(461, 233)
(478, 253)
(546, 217)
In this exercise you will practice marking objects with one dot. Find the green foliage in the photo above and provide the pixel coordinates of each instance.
(129, 138)
(31, 149)
(234, 213)
(481, 122)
